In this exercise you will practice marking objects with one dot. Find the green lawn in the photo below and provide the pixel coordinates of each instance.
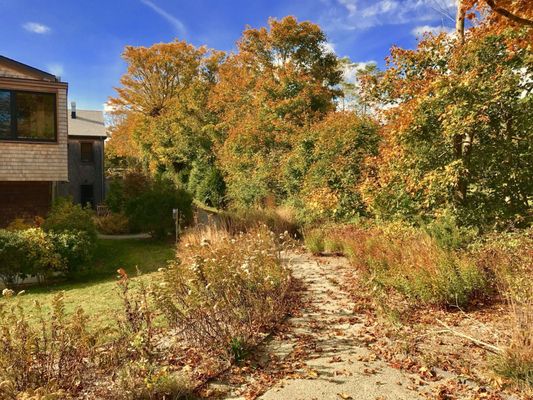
(94, 288)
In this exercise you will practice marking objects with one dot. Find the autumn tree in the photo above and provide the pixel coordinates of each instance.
(458, 129)
(163, 98)
(281, 80)
(324, 171)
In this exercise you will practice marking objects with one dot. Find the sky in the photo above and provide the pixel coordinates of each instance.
(82, 40)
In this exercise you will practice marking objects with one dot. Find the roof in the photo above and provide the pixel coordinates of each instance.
(30, 70)
(87, 123)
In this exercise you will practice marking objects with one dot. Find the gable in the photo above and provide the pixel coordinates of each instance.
(13, 69)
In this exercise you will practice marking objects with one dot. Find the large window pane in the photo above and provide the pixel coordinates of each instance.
(35, 115)
(5, 114)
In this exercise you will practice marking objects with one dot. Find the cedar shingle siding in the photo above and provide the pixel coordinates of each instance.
(29, 169)
(36, 161)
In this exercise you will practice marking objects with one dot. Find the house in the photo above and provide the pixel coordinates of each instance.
(86, 136)
(33, 139)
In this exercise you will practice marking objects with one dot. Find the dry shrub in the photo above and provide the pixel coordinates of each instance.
(224, 291)
(142, 380)
(279, 220)
(54, 355)
(409, 261)
(136, 325)
(517, 360)
(112, 224)
(508, 259)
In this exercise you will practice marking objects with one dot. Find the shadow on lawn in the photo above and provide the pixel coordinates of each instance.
(148, 255)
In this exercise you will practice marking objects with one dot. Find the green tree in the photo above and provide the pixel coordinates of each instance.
(325, 171)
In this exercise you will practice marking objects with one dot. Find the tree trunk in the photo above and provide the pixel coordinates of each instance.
(460, 22)
(459, 138)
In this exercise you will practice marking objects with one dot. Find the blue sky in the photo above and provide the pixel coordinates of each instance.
(82, 40)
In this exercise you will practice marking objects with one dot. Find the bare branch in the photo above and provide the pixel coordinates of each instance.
(477, 342)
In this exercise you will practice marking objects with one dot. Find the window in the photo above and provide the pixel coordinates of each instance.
(27, 115)
(5, 114)
(87, 154)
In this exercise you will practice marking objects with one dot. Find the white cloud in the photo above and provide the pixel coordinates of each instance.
(350, 71)
(350, 5)
(364, 14)
(36, 27)
(175, 22)
(420, 30)
(329, 47)
(55, 69)
(379, 8)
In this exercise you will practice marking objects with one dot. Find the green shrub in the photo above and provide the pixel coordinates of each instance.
(147, 204)
(448, 234)
(66, 216)
(207, 184)
(28, 253)
(314, 241)
(112, 224)
(333, 245)
(74, 248)
(122, 190)
(151, 211)
(34, 252)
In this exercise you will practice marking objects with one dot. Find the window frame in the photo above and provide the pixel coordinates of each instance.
(14, 111)
(92, 160)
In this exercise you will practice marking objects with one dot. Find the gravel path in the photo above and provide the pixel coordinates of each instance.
(325, 344)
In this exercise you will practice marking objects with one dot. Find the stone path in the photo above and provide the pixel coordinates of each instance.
(125, 236)
(329, 342)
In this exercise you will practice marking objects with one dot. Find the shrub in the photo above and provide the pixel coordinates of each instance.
(508, 259)
(207, 185)
(409, 261)
(19, 224)
(74, 248)
(314, 241)
(448, 234)
(151, 211)
(66, 216)
(225, 290)
(278, 220)
(33, 252)
(27, 253)
(122, 190)
(517, 360)
(142, 380)
(333, 245)
(112, 224)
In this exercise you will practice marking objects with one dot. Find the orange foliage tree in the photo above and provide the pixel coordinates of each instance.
(457, 126)
(163, 119)
(280, 81)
